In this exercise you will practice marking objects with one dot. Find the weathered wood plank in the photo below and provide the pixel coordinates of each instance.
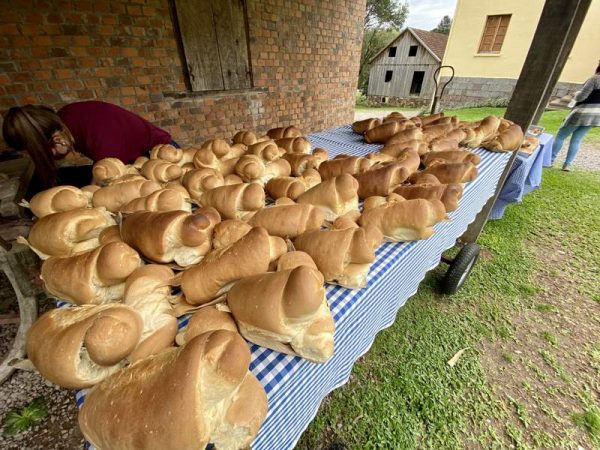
(195, 18)
(230, 25)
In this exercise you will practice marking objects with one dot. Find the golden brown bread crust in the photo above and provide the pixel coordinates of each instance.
(406, 135)
(480, 133)
(161, 200)
(437, 130)
(448, 194)
(147, 291)
(68, 232)
(248, 256)
(236, 201)
(93, 277)
(286, 311)
(452, 172)
(506, 141)
(166, 152)
(110, 234)
(284, 132)
(295, 145)
(228, 232)
(115, 196)
(291, 260)
(288, 220)
(404, 220)
(201, 383)
(530, 144)
(418, 178)
(219, 155)
(382, 133)
(205, 320)
(292, 187)
(362, 126)
(451, 156)
(198, 181)
(381, 180)
(343, 164)
(342, 256)
(265, 150)
(426, 120)
(109, 168)
(300, 162)
(78, 347)
(161, 171)
(170, 236)
(58, 199)
(244, 137)
(398, 148)
(444, 144)
(252, 168)
(335, 196)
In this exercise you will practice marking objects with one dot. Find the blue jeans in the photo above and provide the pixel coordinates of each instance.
(577, 133)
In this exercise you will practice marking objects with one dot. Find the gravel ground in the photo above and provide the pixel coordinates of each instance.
(588, 157)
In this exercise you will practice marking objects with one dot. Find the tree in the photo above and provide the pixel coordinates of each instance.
(444, 25)
(383, 20)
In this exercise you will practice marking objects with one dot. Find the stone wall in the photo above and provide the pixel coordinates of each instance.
(304, 56)
(471, 91)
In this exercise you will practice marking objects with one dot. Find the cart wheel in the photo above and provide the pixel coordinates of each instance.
(460, 268)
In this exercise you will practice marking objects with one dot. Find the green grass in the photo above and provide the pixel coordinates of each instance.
(551, 120)
(17, 421)
(590, 420)
(403, 395)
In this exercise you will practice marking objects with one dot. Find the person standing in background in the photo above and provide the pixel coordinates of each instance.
(584, 116)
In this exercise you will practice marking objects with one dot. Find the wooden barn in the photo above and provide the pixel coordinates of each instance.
(403, 71)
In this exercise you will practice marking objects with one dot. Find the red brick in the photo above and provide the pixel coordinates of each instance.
(63, 74)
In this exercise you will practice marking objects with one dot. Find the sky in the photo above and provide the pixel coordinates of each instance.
(426, 14)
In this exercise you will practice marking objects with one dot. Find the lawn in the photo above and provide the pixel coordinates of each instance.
(551, 120)
(528, 317)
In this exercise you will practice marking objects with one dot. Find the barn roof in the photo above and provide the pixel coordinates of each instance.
(433, 42)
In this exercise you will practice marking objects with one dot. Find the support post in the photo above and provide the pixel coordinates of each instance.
(552, 42)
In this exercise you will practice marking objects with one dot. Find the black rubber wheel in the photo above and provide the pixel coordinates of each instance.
(460, 268)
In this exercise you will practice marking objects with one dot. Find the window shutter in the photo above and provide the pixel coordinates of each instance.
(494, 33)
(213, 35)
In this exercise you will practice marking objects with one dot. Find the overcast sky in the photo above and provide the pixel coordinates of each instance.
(426, 14)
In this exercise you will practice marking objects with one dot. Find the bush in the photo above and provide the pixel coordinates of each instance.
(361, 99)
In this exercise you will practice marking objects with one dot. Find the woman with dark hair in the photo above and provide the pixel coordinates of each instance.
(584, 116)
(94, 128)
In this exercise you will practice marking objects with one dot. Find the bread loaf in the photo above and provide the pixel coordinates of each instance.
(108, 168)
(110, 234)
(166, 152)
(246, 138)
(173, 236)
(266, 150)
(199, 181)
(115, 196)
(218, 155)
(344, 164)
(398, 148)
(444, 144)
(432, 132)
(284, 132)
(402, 220)
(286, 311)
(58, 199)
(451, 156)
(452, 172)
(419, 178)
(68, 232)
(187, 157)
(291, 260)
(213, 276)
(147, 291)
(382, 133)
(362, 126)
(530, 144)
(335, 196)
(161, 171)
(292, 187)
(506, 141)
(378, 157)
(343, 256)
(252, 168)
(237, 201)
(426, 120)
(448, 194)
(205, 320)
(228, 232)
(395, 115)
(484, 131)
(93, 277)
(181, 398)
(406, 135)
(294, 145)
(161, 200)
(78, 347)
(288, 220)
(300, 162)
(381, 180)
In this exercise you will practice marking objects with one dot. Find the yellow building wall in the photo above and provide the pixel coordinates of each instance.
(467, 29)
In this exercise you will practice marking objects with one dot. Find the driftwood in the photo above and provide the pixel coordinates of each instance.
(19, 264)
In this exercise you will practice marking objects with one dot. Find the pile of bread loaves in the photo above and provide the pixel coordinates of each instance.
(242, 235)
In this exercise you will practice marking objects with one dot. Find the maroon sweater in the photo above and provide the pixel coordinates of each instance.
(103, 130)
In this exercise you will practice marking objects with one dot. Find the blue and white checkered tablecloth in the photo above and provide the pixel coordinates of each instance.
(296, 387)
(525, 176)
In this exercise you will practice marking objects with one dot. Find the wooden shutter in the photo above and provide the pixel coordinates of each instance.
(213, 35)
(494, 33)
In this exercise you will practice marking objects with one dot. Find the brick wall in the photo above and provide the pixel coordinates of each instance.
(304, 57)
(472, 91)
